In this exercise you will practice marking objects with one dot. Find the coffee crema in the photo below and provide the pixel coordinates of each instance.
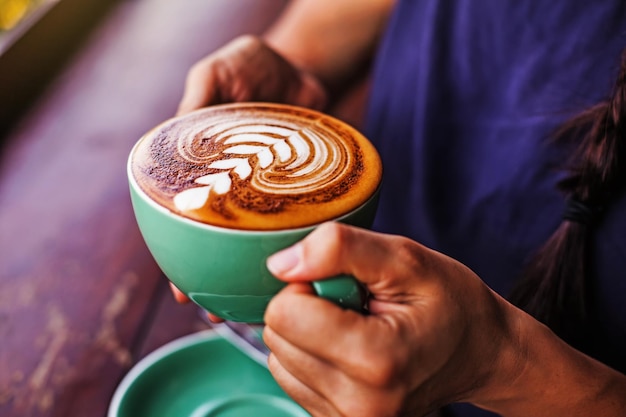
(256, 166)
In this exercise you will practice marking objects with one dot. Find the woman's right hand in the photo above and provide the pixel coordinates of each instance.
(436, 334)
(247, 69)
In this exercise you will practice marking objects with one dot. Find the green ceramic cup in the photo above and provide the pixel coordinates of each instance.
(223, 270)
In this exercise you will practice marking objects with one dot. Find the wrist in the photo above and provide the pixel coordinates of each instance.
(538, 374)
(512, 367)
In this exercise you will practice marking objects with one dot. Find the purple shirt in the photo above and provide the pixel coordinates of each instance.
(465, 95)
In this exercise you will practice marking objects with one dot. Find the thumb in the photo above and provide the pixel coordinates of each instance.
(384, 263)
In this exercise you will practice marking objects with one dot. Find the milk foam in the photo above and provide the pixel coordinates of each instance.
(285, 159)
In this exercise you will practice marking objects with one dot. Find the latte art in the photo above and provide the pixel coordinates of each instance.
(256, 166)
(286, 159)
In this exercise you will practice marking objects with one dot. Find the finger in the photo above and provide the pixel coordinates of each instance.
(310, 93)
(299, 288)
(208, 77)
(200, 87)
(178, 294)
(375, 259)
(311, 401)
(349, 396)
(213, 318)
(341, 337)
(320, 377)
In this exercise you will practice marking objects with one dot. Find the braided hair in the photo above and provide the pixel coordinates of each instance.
(556, 284)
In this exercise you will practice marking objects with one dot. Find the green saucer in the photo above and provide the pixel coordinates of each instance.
(201, 375)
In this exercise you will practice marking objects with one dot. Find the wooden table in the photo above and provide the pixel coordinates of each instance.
(81, 300)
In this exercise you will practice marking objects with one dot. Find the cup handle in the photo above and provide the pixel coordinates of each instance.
(343, 290)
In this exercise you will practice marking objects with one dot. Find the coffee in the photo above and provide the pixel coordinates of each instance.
(256, 166)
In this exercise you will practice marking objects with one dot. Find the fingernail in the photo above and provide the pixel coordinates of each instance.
(284, 261)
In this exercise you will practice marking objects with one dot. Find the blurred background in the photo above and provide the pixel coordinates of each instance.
(14, 12)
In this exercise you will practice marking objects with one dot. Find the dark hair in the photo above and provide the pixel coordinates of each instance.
(555, 286)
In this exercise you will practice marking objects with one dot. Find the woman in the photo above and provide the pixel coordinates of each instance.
(473, 111)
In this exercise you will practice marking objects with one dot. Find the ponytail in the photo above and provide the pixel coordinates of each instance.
(555, 286)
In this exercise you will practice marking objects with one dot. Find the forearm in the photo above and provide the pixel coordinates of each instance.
(331, 39)
(540, 375)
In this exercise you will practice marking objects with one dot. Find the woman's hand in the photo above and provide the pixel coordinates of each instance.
(246, 69)
(434, 335)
